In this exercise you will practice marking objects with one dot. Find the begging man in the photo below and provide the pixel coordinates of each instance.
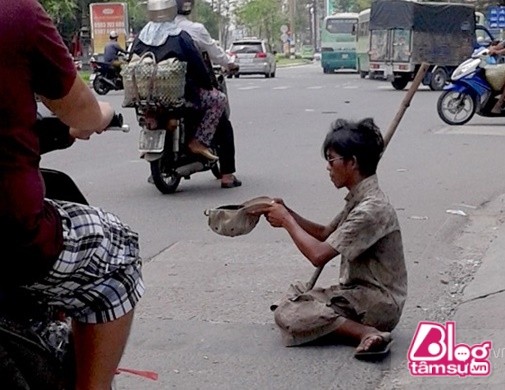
(366, 303)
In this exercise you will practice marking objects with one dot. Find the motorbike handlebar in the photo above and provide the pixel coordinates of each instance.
(116, 124)
(54, 134)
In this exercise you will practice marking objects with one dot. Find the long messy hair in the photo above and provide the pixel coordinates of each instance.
(361, 139)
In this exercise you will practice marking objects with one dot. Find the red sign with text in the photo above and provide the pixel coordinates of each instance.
(107, 17)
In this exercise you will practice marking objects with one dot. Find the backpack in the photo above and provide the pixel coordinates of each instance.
(147, 82)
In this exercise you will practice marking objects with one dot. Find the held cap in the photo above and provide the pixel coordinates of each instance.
(236, 220)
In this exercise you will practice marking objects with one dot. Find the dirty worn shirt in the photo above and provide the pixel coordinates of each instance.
(367, 235)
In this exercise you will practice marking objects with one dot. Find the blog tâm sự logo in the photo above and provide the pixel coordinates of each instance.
(434, 352)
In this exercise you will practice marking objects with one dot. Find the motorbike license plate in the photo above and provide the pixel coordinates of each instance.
(246, 60)
(152, 141)
(92, 76)
(344, 56)
(388, 70)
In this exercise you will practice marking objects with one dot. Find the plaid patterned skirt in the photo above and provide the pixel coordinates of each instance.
(97, 277)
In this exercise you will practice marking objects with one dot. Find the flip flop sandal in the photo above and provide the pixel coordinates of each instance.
(376, 354)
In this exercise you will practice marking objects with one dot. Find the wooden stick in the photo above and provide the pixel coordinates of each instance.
(405, 102)
(387, 137)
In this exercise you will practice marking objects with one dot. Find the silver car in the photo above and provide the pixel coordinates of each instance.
(254, 56)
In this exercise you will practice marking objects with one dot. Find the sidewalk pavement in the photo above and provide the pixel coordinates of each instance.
(479, 317)
(204, 323)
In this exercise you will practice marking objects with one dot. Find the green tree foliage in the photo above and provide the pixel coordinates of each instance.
(262, 18)
(73, 14)
(363, 4)
(65, 14)
(346, 5)
(205, 14)
(60, 10)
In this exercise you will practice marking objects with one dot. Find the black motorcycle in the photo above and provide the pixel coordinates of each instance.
(164, 136)
(36, 348)
(105, 77)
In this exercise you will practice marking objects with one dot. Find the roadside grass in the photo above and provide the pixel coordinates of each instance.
(291, 61)
(85, 75)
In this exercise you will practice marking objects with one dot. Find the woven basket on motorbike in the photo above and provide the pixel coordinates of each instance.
(148, 82)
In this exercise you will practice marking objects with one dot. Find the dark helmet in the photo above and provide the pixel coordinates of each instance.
(184, 7)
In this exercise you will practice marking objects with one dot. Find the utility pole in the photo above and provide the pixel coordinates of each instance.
(315, 29)
(219, 22)
(292, 12)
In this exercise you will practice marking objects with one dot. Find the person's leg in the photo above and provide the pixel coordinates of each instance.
(499, 104)
(368, 338)
(213, 104)
(96, 281)
(98, 350)
(225, 142)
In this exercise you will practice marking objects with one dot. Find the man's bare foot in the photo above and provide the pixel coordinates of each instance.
(373, 346)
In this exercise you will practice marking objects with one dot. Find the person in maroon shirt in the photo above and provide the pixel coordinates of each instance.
(88, 265)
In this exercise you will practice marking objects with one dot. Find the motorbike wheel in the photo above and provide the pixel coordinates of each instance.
(451, 104)
(100, 86)
(438, 80)
(165, 182)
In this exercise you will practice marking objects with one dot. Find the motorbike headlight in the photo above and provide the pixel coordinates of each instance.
(465, 68)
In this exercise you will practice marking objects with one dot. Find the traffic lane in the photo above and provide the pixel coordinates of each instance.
(279, 135)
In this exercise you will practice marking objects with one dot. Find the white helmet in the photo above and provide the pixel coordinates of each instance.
(113, 35)
(161, 10)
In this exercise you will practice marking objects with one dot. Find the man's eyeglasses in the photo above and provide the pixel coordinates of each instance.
(330, 160)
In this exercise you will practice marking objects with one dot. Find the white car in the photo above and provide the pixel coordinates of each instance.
(254, 56)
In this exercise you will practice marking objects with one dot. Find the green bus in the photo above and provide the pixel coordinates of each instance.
(338, 42)
(363, 43)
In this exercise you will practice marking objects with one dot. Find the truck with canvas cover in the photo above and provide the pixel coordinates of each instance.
(404, 34)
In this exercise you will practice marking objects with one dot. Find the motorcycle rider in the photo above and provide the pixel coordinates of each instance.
(111, 52)
(164, 39)
(77, 258)
(224, 133)
(498, 49)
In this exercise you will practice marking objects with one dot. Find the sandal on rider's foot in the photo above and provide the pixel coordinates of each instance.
(198, 148)
(379, 348)
(232, 184)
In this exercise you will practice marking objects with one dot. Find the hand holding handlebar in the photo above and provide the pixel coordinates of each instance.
(115, 124)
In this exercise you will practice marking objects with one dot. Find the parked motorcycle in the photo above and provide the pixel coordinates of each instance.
(475, 87)
(164, 136)
(105, 77)
(36, 348)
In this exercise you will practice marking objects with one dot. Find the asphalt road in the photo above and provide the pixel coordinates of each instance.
(427, 170)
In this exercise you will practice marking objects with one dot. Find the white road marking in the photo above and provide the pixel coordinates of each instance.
(315, 87)
(248, 88)
(283, 87)
(472, 130)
